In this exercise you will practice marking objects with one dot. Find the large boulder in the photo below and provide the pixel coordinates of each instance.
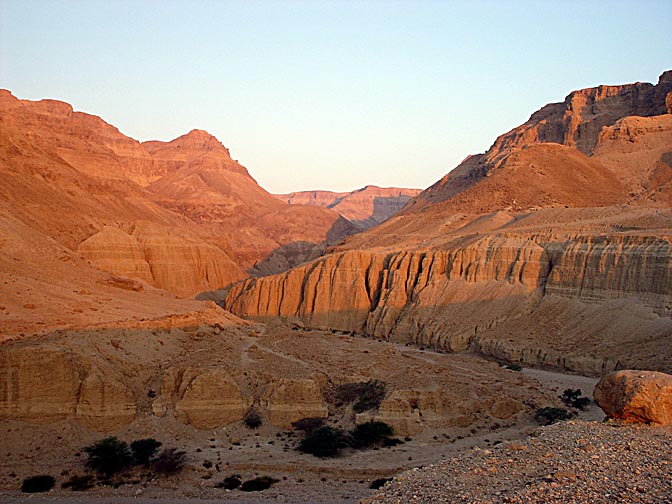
(636, 396)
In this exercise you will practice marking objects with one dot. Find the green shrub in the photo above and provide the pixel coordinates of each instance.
(581, 403)
(364, 395)
(547, 416)
(79, 483)
(170, 461)
(323, 442)
(258, 484)
(308, 424)
(572, 397)
(230, 482)
(379, 483)
(370, 433)
(143, 450)
(252, 418)
(108, 456)
(36, 484)
(514, 367)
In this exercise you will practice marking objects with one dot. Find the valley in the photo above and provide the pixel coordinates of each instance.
(155, 290)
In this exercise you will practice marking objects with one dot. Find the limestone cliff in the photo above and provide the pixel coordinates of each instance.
(43, 385)
(577, 122)
(447, 299)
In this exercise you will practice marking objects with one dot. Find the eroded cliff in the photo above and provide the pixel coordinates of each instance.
(448, 299)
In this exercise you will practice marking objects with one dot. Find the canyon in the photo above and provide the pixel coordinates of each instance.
(570, 269)
(155, 289)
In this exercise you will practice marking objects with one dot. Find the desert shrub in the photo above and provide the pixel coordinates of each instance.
(170, 461)
(252, 418)
(364, 395)
(379, 483)
(572, 397)
(230, 482)
(79, 483)
(143, 450)
(308, 424)
(547, 416)
(258, 484)
(36, 484)
(581, 403)
(387, 442)
(370, 433)
(108, 456)
(324, 441)
(514, 367)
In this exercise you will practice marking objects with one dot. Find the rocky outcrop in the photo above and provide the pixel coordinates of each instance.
(205, 398)
(605, 267)
(47, 384)
(576, 123)
(445, 300)
(288, 400)
(170, 259)
(409, 412)
(636, 396)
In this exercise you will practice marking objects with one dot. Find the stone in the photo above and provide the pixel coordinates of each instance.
(104, 404)
(636, 396)
(206, 398)
(47, 384)
(288, 400)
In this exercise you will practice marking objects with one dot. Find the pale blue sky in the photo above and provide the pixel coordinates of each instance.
(328, 95)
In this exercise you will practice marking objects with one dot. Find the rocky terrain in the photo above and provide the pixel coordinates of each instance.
(189, 382)
(552, 250)
(182, 216)
(569, 269)
(572, 462)
(365, 207)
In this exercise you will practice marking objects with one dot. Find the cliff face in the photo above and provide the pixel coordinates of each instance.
(577, 123)
(446, 300)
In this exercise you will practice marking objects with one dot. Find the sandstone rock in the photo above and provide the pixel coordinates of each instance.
(505, 407)
(104, 403)
(45, 384)
(636, 396)
(288, 400)
(39, 385)
(205, 398)
(408, 412)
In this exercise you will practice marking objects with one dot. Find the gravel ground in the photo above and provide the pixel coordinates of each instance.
(569, 462)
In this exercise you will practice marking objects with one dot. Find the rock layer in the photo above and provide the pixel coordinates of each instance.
(445, 300)
(43, 385)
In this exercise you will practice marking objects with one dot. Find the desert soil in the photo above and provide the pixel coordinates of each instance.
(303, 479)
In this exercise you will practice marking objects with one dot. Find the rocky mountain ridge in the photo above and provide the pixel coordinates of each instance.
(365, 207)
(545, 257)
(180, 215)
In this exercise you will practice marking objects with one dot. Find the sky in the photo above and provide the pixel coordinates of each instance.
(328, 95)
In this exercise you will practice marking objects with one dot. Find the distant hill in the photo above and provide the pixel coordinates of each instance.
(365, 207)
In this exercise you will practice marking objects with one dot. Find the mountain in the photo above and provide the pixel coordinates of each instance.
(554, 248)
(365, 207)
(182, 216)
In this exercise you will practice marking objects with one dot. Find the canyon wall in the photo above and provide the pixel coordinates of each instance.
(454, 299)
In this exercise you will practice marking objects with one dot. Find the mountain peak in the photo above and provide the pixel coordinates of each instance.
(200, 139)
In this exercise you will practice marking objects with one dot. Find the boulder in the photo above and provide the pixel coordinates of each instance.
(636, 396)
